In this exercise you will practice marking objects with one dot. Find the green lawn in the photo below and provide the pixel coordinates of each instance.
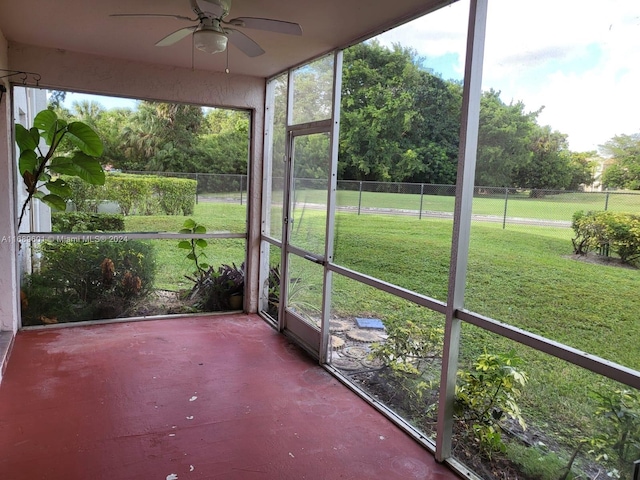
(551, 207)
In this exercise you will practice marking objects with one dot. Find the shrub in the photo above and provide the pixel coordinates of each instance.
(88, 280)
(176, 195)
(607, 231)
(620, 433)
(70, 222)
(409, 343)
(137, 194)
(130, 192)
(85, 197)
(212, 288)
(486, 395)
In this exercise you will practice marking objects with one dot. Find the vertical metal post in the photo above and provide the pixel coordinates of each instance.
(506, 199)
(327, 283)
(606, 201)
(241, 178)
(196, 188)
(421, 198)
(472, 92)
(360, 198)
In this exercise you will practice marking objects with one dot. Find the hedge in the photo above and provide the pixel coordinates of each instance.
(607, 232)
(137, 194)
(70, 222)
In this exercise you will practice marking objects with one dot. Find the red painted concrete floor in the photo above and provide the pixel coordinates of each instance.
(221, 397)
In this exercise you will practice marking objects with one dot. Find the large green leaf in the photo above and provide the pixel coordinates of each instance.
(55, 202)
(80, 165)
(47, 122)
(186, 244)
(27, 139)
(27, 162)
(190, 224)
(60, 188)
(83, 137)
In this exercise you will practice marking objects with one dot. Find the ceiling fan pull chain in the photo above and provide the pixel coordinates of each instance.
(226, 70)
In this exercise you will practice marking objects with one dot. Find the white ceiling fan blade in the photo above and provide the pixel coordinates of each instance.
(244, 43)
(267, 24)
(179, 17)
(176, 36)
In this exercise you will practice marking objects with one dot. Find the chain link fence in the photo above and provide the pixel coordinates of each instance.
(211, 187)
(490, 204)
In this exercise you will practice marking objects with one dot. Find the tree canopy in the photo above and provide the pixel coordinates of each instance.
(624, 172)
(158, 136)
(401, 123)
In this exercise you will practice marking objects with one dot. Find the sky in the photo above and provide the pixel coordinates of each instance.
(579, 59)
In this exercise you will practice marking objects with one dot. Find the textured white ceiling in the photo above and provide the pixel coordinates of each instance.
(86, 27)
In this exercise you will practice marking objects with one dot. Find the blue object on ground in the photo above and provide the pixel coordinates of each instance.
(370, 323)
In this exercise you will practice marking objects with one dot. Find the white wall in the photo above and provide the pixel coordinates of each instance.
(8, 247)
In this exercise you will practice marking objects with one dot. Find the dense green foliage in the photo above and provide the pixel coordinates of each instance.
(615, 232)
(162, 137)
(487, 394)
(401, 123)
(620, 409)
(398, 122)
(70, 222)
(141, 194)
(625, 171)
(87, 280)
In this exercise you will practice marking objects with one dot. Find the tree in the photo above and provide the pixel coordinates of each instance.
(582, 166)
(398, 122)
(225, 146)
(625, 171)
(162, 137)
(548, 166)
(504, 140)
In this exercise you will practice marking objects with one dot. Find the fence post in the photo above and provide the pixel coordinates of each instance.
(241, 191)
(421, 197)
(196, 188)
(506, 200)
(606, 201)
(360, 198)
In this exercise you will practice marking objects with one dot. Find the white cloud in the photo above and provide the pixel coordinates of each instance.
(580, 59)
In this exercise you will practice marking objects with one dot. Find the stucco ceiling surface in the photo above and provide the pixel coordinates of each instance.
(87, 27)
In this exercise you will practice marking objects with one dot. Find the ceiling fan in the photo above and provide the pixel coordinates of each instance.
(212, 32)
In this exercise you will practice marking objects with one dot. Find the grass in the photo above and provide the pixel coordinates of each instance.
(172, 261)
(551, 207)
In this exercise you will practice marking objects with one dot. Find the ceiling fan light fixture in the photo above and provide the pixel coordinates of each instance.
(210, 41)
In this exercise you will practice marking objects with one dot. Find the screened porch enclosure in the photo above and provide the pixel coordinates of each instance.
(399, 308)
(464, 334)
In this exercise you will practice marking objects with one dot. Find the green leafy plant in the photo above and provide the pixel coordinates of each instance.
(409, 343)
(195, 248)
(607, 231)
(620, 435)
(41, 169)
(69, 222)
(213, 287)
(88, 280)
(226, 281)
(488, 394)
